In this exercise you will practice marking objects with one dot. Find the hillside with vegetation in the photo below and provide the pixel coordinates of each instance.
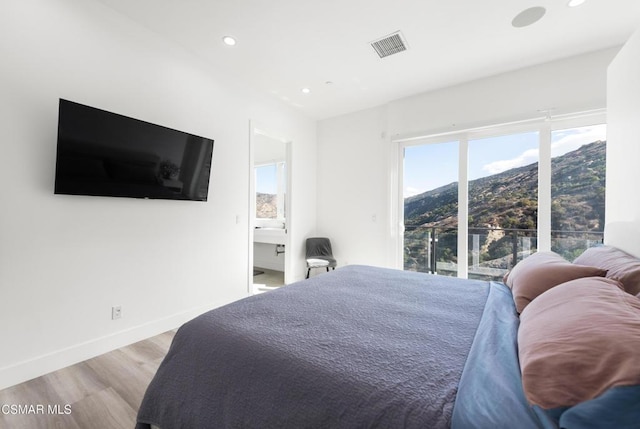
(509, 200)
(266, 206)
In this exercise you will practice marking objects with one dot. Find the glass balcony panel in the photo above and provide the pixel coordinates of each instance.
(492, 251)
(570, 244)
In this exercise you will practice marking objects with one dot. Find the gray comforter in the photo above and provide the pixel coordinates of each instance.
(360, 347)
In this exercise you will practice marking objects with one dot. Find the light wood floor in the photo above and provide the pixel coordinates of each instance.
(101, 393)
(267, 280)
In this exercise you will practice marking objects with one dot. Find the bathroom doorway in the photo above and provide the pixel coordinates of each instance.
(269, 215)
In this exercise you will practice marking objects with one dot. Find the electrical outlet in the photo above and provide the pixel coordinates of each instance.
(116, 312)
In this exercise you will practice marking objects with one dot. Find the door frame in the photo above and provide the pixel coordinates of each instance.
(545, 125)
(256, 129)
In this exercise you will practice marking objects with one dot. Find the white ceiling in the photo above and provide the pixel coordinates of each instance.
(285, 45)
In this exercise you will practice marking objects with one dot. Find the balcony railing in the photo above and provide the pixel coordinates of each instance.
(492, 251)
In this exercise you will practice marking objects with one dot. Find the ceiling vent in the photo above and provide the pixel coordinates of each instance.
(389, 45)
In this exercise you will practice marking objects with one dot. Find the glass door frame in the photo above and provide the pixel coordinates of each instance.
(543, 125)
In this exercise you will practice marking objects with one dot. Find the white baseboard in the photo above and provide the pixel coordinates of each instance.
(36, 367)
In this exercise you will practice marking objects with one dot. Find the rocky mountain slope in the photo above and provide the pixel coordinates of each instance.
(510, 199)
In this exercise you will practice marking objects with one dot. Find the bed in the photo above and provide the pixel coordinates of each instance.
(368, 347)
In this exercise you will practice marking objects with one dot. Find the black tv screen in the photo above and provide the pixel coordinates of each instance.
(105, 154)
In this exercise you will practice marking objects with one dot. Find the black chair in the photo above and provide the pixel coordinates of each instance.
(319, 254)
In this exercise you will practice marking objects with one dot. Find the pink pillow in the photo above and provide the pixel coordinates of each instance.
(578, 340)
(619, 265)
(540, 272)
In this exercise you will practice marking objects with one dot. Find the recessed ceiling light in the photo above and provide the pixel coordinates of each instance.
(528, 16)
(574, 3)
(228, 40)
(305, 90)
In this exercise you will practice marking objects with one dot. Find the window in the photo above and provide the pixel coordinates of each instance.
(519, 188)
(577, 189)
(270, 191)
(431, 208)
(503, 202)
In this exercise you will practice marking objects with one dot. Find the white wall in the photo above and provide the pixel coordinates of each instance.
(623, 148)
(265, 256)
(66, 260)
(570, 85)
(357, 159)
(352, 186)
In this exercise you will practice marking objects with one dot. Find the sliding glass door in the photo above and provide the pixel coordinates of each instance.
(577, 189)
(503, 202)
(430, 194)
(471, 203)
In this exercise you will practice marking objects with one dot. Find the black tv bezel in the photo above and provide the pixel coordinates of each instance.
(131, 190)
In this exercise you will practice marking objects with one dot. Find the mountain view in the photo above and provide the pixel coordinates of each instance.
(509, 200)
(266, 206)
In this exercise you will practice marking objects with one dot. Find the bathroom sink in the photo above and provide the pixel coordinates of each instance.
(270, 235)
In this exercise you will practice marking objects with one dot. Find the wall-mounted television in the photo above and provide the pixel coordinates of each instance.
(101, 153)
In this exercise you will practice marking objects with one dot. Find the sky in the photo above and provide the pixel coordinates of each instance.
(266, 179)
(430, 166)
